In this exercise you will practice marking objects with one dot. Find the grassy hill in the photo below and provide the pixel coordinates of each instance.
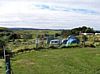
(3, 29)
(60, 61)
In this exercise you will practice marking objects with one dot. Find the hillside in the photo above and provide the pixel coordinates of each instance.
(3, 29)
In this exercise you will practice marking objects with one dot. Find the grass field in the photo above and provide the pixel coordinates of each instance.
(58, 61)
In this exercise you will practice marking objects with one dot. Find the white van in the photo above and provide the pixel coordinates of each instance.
(55, 42)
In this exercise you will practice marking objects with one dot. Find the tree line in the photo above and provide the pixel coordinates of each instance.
(77, 31)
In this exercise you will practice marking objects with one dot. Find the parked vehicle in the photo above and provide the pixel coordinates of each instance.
(55, 42)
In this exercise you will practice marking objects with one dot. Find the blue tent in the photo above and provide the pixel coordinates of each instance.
(72, 40)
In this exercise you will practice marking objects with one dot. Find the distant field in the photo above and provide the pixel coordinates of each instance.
(39, 31)
(58, 61)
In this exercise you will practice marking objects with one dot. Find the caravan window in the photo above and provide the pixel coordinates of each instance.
(54, 42)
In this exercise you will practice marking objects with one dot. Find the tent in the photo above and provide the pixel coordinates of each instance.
(71, 40)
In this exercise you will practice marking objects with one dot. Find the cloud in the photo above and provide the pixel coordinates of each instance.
(50, 14)
(66, 9)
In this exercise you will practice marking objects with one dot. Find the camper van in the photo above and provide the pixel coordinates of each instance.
(55, 42)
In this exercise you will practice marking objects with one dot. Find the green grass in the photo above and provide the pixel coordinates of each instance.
(2, 66)
(58, 61)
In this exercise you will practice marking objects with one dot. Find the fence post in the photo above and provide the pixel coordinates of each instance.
(7, 62)
(37, 41)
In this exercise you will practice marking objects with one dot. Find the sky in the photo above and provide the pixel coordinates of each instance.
(50, 14)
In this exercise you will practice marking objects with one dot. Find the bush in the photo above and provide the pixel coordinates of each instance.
(90, 45)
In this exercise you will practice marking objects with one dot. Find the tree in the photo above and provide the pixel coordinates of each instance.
(2, 47)
(3, 42)
(89, 30)
(76, 31)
